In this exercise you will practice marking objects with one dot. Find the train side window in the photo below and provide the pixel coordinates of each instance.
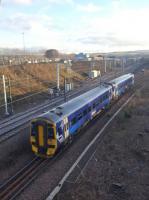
(93, 105)
(80, 116)
(73, 121)
(101, 100)
(97, 103)
(89, 109)
(104, 97)
(85, 112)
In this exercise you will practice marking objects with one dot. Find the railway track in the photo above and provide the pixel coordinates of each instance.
(13, 186)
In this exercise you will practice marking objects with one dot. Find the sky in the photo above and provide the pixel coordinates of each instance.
(75, 25)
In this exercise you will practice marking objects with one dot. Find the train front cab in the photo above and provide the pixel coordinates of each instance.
(43, 138)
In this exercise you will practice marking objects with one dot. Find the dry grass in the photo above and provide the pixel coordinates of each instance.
(33, 78)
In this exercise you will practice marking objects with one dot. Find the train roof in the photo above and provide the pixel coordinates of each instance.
(120, 79)
(73, 105)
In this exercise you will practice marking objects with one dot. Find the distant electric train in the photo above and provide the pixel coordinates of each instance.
(53, 129)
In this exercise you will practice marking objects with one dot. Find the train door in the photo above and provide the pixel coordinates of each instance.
(66, 127)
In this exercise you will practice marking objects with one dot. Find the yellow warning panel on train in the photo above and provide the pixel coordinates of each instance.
(41, 135)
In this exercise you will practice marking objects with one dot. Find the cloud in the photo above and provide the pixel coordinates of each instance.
(90, 7)
(125, 29)
(61, 1)
(39, 30)
(14, 23)
(112, 41)
(23, 22)
(23, 2)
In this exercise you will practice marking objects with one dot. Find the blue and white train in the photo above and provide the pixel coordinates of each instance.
(53, 129)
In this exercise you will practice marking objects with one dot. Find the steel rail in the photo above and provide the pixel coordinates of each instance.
(14, 185)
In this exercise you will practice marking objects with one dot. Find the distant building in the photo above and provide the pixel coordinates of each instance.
(97, 57)
(94, 73)
(82, 57)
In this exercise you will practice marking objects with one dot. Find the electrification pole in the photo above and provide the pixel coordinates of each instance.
(10, 97)
(65, 89)
(105, 63)
(115, 67)
(5, 96)
(69, 75)
(57, 76)
(122, 65)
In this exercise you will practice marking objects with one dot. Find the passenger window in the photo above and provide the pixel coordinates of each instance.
(80, 116)
(93, 105)
(100, 100)
(89, 109)
(85, 112)
(73, 121)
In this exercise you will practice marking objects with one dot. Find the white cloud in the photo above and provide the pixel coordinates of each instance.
(126, 29)
(23, 22)
(90, 7)
(39, 30)
(61, 1)
(24, 2)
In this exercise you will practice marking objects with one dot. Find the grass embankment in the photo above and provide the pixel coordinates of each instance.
(31, 78)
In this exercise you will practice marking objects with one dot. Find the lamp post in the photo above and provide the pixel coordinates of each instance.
(23, 39)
